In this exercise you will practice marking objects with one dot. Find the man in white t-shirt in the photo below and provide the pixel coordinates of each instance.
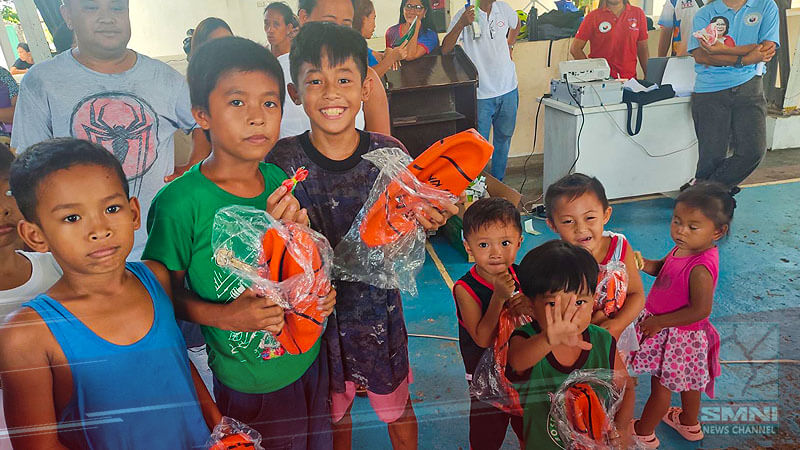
(491, 52)
(676, 26)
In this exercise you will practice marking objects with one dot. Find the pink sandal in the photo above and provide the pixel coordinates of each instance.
(689, 432)
(644, 441)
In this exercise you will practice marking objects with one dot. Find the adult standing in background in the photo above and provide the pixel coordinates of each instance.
(104, 92)
(676, 26)
(617, 31)
(25, 60)
(364, 23)
(424, 38)
(491, 52)
(728, 106)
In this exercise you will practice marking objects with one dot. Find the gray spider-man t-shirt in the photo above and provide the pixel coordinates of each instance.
(133, 114)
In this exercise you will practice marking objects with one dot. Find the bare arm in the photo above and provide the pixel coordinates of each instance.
(524, 353)
(27, 381)
(761, 53)
(701, 298)
(643, 52)
(512, 38)
(415, 49)
(481, 328)
(665, 41)
(210, 411)
(449, 42)
(376, 108)
(7, 114)
(576, 49)
(15, 71)
(652, 266)
(391, 57)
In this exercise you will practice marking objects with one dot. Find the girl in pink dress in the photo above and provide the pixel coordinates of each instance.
(679, 346)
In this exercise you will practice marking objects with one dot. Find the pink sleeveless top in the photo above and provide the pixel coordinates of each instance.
(670, 292)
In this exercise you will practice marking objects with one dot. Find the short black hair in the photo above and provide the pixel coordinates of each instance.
(489, 211)
(212, 60)
(712, 199)
(557, 266)
(39, 161)
(573, 186)
(289, 18)
(309, 5)
(724, 19)
(339, 43)
(24, 46)
(6, 158)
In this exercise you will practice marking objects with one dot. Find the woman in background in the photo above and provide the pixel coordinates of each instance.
(281, 25)
(364, 23)
(424, 39)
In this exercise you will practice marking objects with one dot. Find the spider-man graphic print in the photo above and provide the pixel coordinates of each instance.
(125, 125)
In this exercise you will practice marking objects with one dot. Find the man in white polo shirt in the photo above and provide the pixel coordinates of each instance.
(491, 51)
(676, 26)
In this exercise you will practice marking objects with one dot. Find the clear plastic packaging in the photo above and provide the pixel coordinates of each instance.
(612, 288)
(232, 434)
(584, 408)
(489, 383)
(285, 261)
(709, 34)
(385, 246)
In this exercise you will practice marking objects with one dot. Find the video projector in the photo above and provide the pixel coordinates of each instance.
(586, 83)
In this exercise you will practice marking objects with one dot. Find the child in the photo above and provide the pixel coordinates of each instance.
(677, 311)
(493, 236)
(577, 209)
(280, 25)
(236, 90)
(23, 275)
(366, 339)
(559, 279)
(99, 354)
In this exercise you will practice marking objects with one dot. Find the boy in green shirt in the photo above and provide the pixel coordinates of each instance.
(559, 279)
(237, 96)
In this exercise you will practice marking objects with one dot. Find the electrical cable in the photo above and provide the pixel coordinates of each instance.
(533, 148)
(580, 130)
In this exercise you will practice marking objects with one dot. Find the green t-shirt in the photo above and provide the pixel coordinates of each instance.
(537, 384)
(179, 236)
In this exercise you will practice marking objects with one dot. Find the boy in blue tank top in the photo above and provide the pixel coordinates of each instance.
(560, 279)
(98, 360)
(492, 236)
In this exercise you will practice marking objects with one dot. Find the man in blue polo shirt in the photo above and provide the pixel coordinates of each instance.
(728, 105)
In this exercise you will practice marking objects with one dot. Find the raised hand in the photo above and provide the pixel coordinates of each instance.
(562, 327)
(281, 204)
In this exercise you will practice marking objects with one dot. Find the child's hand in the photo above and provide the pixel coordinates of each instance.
(431, 218)
(520, 305)
(650, 327)
(327, 303)
(561, 326)
(281, 204)
(504, 287)
(254, 312)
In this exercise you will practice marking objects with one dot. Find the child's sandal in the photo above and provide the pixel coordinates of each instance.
(646, 441)
(689, 432)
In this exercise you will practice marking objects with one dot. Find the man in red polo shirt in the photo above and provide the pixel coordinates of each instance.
(617, 32)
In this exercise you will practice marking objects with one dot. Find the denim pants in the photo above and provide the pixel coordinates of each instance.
(735, 117)
(501, 113)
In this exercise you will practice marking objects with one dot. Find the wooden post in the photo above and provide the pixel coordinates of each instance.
(34, 33)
